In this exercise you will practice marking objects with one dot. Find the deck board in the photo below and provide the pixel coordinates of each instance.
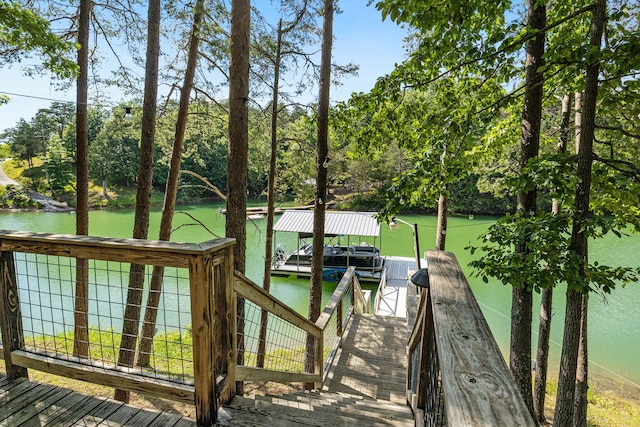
(28, 403)
(372, 361)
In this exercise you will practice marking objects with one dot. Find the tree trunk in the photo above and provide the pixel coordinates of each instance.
(171, 191)
(580, 403)
(81, 301)
(271, 192)
(441, 231)
(521, 309)
(579, 247)
(320, 202)
(238, 149)
(544, 329)
(582, 373)
(131, 321)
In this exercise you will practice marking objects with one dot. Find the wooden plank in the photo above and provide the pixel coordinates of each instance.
(184, 422)
(148, 252)
(143, 418)
(74, 407)
(252, 292)
(109, 378)
(478, 389)
(10, 315)
(98, 414)
(17, 387)
(119, 417)
(171, 420)
(21, 397)
(246, 373)
(38, 412)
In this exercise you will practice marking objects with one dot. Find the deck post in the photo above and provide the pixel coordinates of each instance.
(203, 326)
(10, 315)
(225, 326)
(319, 365)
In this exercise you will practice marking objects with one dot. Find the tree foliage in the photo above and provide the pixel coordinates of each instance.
(23, 31)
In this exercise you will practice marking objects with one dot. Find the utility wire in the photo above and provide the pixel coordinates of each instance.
(560, 346)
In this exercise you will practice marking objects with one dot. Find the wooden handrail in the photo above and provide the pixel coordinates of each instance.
(332, 304)
(476, 385)
(254, 293)
(332, 312)
(381, 287)
(147, 252)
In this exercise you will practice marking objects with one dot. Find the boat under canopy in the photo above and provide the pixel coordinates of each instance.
(345, 245)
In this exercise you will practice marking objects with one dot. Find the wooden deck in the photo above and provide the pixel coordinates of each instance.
(366, 386)
(372, 362)
(28, 403)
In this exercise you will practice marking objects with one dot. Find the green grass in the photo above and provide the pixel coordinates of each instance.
(606, 408)
(172, 352)
(17, 170)
(119, 196)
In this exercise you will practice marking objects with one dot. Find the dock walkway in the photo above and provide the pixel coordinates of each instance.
(393, 296)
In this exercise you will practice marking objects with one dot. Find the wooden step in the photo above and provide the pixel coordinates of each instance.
(279, 411)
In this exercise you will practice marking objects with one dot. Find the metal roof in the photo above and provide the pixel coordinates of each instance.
(345, 223)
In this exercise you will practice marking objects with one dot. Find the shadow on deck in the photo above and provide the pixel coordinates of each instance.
(28, 403)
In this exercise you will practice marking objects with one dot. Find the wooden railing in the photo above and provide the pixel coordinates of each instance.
(380, 291)
(197, 332)
(289, 331)
(456, 373)
(38, 275)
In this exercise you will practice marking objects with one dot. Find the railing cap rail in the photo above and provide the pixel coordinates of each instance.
(10, 238)
(478, 388)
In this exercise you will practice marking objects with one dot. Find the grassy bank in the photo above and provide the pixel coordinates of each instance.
(35, 178)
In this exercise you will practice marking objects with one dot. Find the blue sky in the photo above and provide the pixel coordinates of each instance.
(361, 37)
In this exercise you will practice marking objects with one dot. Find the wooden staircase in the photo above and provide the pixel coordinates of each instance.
(366, 385)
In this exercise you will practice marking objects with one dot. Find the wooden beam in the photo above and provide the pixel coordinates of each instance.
(120, 377)
(138, 251)
(252, 292)
(477, 386)
(247, 373)
(204, 351)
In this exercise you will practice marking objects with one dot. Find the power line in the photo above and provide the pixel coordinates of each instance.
(37, 97)
(64, 101)
(560, 346)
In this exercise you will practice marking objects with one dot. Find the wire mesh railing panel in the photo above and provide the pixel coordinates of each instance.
(47, 291)
(283, 346)
(434, 401)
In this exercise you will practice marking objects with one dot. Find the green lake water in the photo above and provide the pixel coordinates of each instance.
(614, 329)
